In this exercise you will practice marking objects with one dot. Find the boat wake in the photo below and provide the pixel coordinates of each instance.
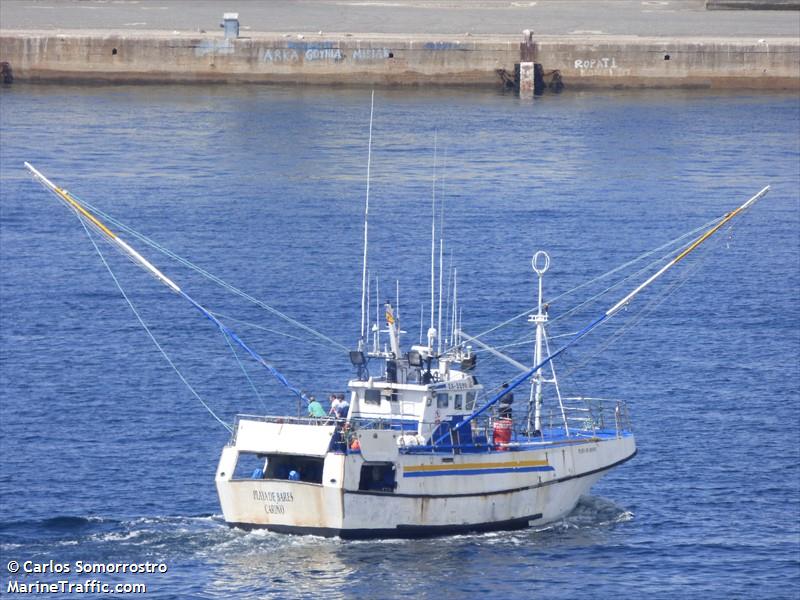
(238, 561)
(591, 512)
(208, 534)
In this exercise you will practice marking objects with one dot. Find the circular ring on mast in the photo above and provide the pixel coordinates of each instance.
(540, 262)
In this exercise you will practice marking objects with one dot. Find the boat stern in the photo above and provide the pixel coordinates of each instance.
(278, 473)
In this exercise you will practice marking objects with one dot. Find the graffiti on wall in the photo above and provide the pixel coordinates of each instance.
(595, 63)
(321, 52)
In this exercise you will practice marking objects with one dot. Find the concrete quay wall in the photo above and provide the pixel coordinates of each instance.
(584, 62)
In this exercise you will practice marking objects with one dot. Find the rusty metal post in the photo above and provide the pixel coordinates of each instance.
(526, 58)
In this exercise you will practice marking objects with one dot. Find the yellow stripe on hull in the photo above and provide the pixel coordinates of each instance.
(510, 464)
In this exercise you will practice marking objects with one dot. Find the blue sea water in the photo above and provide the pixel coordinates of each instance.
(106, 455)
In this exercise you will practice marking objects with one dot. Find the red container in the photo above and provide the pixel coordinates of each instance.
(502, 433)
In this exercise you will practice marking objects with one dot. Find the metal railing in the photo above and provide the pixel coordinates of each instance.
(582, 417)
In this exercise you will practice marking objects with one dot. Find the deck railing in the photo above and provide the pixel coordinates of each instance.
(582, 418)
(596, 414)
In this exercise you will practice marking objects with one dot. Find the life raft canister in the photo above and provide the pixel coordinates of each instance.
(502, 433)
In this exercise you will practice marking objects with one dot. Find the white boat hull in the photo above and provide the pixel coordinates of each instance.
(469, 492)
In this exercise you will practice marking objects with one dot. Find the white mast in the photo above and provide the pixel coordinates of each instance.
(377, 316)
(432, 329)
(441, 255)
(454, 326)
(366, 234)
(540, 263)
(421, 315)
(367, 310)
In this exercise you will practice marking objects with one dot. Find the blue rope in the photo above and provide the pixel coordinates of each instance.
(229, 332)
(246, 374)
(147, 329)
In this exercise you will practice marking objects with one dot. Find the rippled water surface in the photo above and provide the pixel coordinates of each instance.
(106, 456)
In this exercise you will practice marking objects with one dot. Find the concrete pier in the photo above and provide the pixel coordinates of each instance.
(584, 62)
(478, 42)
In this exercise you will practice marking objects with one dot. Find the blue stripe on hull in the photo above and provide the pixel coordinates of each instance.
(476, 471)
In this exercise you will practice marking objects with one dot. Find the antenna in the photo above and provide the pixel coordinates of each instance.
(456, 324)
(377, 316)
(367, 309)
(448, 308)
(441, 253)
(421, 313)
(366, 230)
(431, 331)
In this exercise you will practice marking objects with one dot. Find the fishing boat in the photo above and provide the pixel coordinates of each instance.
(421, 447)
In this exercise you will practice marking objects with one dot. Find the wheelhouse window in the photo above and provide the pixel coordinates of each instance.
(470, 405)
(458, 402)
(372, 396)
(442, 400)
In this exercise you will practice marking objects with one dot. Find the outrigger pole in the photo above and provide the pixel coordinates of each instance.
(605, 316)
(82, 212)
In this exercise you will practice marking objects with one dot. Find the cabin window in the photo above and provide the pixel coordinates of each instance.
(377, 477)
(458, 402)
(442, 400)
(250, 465)
(372, 396)
(470, 401)
(294, 467)
(394, 397)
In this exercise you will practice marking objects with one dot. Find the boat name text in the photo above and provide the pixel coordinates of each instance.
(277, 497)
(464, 384)
(273, 501)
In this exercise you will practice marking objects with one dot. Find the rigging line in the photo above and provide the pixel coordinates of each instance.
(606, 274)
(82, 212)
(636, 319)
(247, 376)
(647, 254)
(648, 308)
(611, 312)
(525, 342)
(256, 356)
(527, 339)
(267, 329)
(242, 294)
(633, 322)
(146, 328)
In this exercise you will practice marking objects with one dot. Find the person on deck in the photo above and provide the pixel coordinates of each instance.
(315, 408)
(342, 406)
(334, 400)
